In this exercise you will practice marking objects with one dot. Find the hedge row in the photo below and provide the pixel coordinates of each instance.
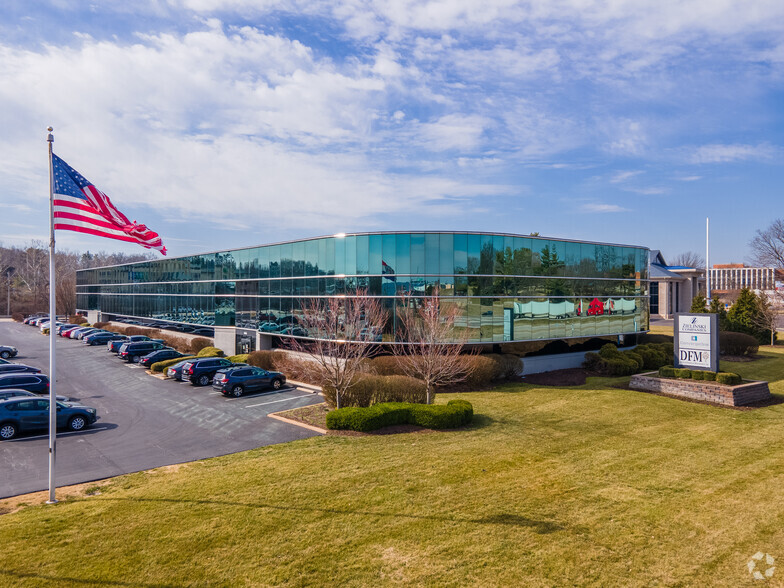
(483, 369)
(268, 360)
(450, 416)
(726, 378)
(162, 365)
(241, 358)
(612, 362)
(371, 389)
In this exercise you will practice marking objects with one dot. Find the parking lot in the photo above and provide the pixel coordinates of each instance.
(144, 422)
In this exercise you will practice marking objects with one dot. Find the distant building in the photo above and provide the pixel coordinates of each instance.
(672, 287)
(728, 277)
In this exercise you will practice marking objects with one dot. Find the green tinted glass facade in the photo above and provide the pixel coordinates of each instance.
(508, 287)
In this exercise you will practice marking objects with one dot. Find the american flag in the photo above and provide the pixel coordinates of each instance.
(387, 271)
(80, 206)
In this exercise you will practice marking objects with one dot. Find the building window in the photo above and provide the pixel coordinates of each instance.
(654, 297)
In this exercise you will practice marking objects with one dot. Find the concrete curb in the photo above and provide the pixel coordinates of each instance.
(276, 416)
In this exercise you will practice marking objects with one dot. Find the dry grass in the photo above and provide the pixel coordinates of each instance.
(591, 485)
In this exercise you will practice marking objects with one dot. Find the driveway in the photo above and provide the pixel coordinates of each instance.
(144, 422)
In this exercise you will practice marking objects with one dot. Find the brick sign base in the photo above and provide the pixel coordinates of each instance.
(746, 393)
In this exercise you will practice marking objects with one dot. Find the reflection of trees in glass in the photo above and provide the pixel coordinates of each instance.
(551, 265)
(514, 262)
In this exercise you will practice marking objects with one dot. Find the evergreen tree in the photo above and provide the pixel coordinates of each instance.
(716, 307)
(698, 304)
(743, 316)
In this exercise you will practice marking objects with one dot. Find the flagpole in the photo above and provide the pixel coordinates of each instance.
(52, 330)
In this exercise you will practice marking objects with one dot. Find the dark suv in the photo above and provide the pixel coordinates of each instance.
(236, 381)
(27, 414)
(160, 355)
(114, 346)
(201, 371)
(133, 352)
(18, 368)
(37, 383)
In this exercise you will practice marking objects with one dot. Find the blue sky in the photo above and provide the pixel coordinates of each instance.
(225, 123)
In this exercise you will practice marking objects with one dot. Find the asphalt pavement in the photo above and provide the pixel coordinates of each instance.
(144, 422)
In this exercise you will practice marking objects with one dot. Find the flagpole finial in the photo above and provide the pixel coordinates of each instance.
(50, 138)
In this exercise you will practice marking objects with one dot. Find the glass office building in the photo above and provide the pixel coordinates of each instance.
(508, 287)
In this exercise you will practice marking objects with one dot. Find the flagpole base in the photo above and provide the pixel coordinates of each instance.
(55, 501)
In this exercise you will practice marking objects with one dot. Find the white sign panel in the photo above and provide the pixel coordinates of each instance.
(696, 343)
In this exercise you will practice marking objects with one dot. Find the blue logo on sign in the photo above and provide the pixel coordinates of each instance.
(694, 337)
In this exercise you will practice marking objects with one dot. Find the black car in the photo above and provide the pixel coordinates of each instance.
(201, 371)
(18, 368)
(28, 414)
(101, 338)
(37, 383)
(175, 371)
(114, 346)
(160, 355)
(16, 392)
(236, 381)
(134, 351)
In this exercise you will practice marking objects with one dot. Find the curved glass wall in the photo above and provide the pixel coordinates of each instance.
(508, 287)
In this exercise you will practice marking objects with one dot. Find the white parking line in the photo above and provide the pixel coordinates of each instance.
(281, 400)
(59, 434)
(289, 389)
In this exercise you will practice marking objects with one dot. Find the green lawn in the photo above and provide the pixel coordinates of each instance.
(584, 486)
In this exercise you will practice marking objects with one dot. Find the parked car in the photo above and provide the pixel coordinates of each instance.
(65, 327)
(66, 331)
(201, 371)
(204, 332)
(20, 415)
(48, 324)
(7, 351)
(34, 317)
(132, 352)
(83, 333)
(4, 361)
(236, 381)
(16, 392)
(175, 371)
(18, 368)
(270, 327)
(101, 338)
(160, 355)
(294, 332)
(114, 346)
(74, 333)
(37, 383)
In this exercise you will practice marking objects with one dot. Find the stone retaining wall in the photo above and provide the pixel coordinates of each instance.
(746, 393)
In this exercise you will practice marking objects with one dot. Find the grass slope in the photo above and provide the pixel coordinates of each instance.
(585, 486)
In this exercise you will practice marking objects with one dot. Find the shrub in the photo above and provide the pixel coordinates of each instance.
(241, 358)
(697, 375)
(45, 331)
(509, 365)
(709, 376)
(454, 414)
(682, 373)
(18, 317)
(667, 371)
(162, 365)
(483, 371)
(635, 357)
(593, 361)
(728, 378)
(181, 344)
(618, 366)
(267, 360)
(135, 331)
(654, 355)
(101, 325)
(370, 389)
(200, 343)
(609, 351)
(209, 352)
(733, 343)
(386, 365)
(77, 319)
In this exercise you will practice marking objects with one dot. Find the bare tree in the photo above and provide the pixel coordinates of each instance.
(688, 259)
(767, 247)
(434, 350)
(346, 330)
(766, 317)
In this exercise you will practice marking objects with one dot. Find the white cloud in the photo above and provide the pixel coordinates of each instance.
(602, 208)
(622, 176)
(718, 153)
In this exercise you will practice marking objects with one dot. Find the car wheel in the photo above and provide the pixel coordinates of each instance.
(276, 384)
(8, 431)
(136, 359)
(237, 391)
(77, 423)
(5, 354)
(204, 380)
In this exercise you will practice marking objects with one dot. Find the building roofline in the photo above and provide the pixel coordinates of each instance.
(341, 235)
